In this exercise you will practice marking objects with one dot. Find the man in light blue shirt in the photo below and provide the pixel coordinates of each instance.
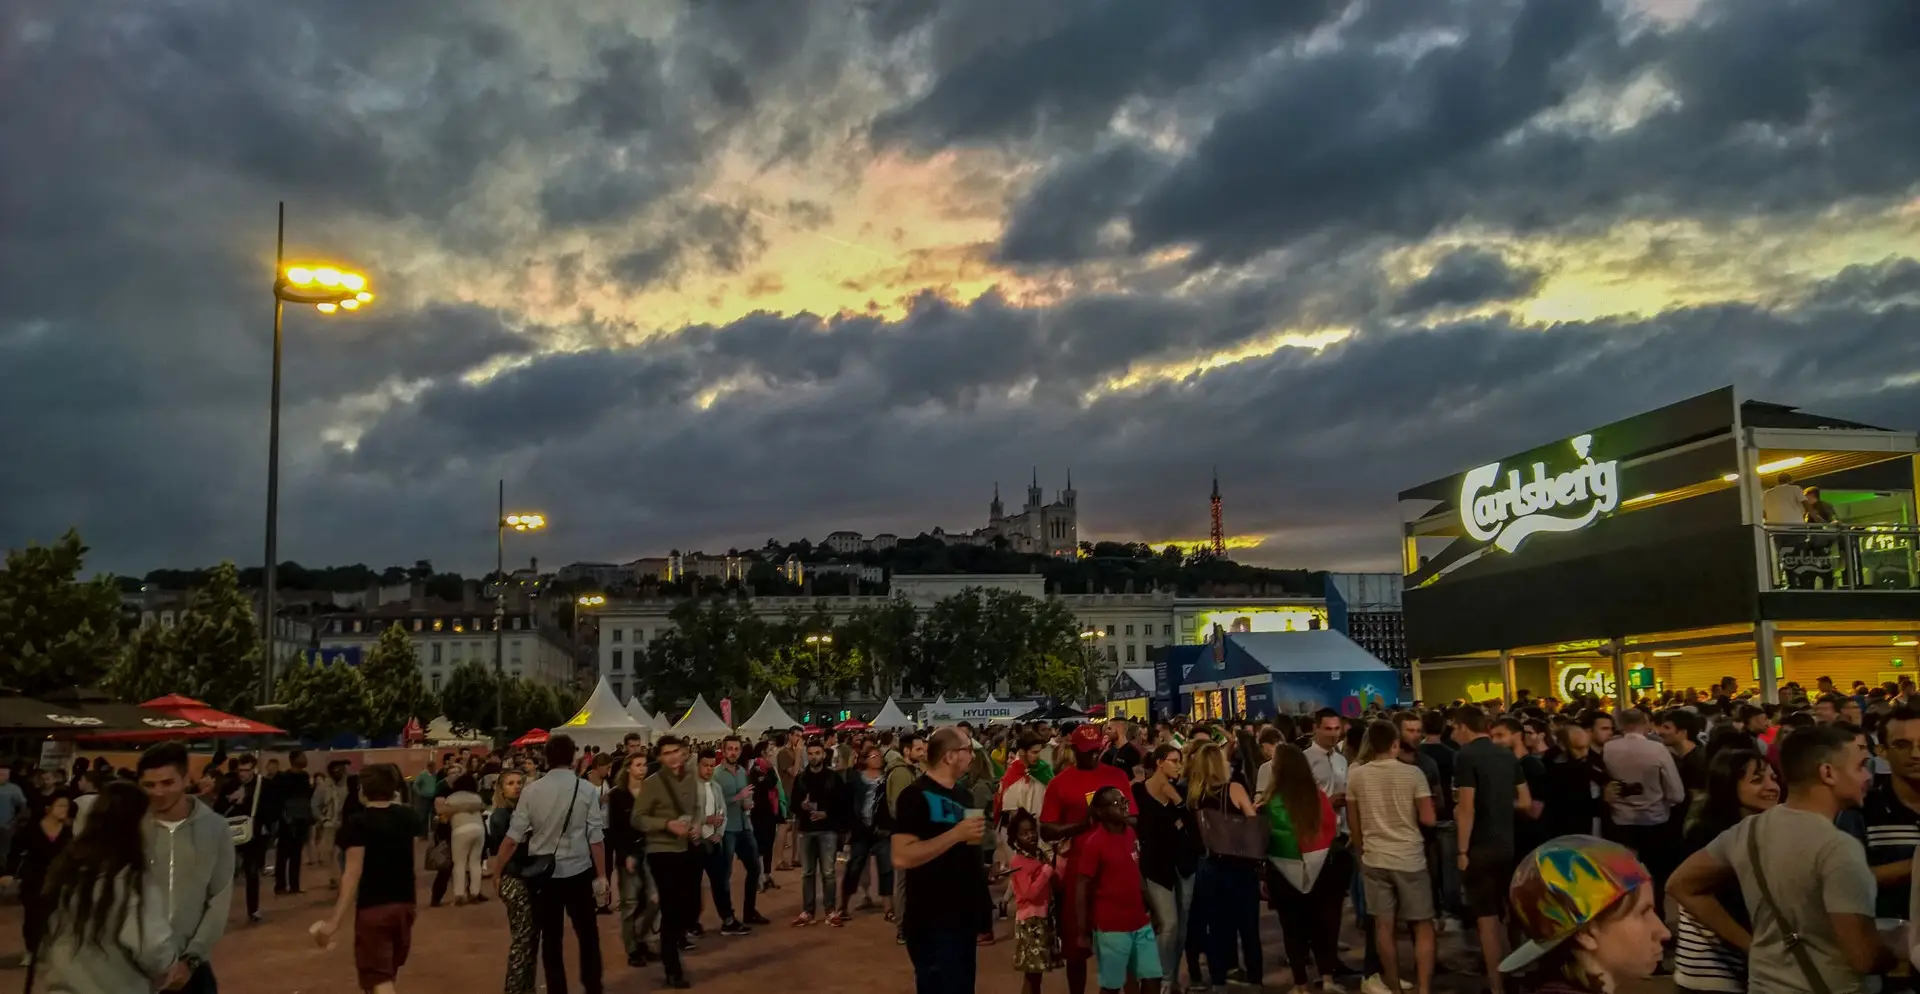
(559, 815)
(13, 800)
(738, 842)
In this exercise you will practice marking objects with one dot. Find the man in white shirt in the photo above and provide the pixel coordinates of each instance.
(1784, 503)
(714, 858)
(1328, 764)
(1388, 803)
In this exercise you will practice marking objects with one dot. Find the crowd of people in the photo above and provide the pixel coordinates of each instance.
(1737, 845)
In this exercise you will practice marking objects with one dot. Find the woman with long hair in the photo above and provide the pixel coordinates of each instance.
(524, 945)
(1226, 889)
(108, 932)
(1740, 784)
(1301, 836)
(639, 902)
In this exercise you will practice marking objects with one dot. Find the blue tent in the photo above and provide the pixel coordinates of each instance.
(1260, 674)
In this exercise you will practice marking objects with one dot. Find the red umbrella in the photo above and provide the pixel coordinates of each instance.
(851, 724)
(535, 737)
(220, 722)
(176, 716)
(811, 730)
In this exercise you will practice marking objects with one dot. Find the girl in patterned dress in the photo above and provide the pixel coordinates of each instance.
(1034, 950)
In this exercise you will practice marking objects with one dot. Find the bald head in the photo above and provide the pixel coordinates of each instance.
(945, 742)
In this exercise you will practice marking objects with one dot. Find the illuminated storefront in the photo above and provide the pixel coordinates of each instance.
(1260, 674)
(1130, 695)
(1639, 554)
(1233, 620)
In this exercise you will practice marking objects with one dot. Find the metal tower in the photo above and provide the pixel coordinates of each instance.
(1219, 534)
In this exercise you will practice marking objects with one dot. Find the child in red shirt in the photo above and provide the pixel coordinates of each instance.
(1107, 894)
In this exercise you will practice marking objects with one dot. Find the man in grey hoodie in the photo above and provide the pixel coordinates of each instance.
(190, 852)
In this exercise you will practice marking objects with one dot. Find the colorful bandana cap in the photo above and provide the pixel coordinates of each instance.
(1561, 886)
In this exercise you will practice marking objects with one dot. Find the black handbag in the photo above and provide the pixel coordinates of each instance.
(539, 866)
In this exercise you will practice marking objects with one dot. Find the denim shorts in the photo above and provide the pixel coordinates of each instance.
(1122, 953)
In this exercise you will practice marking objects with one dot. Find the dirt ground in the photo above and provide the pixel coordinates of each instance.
(463, 949)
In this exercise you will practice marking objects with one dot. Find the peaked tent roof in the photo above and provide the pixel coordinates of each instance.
(891, 716)
(769, 715)
(660, 720)
(639, 714)
(602, 711)
(700, 719)
(1321, 651)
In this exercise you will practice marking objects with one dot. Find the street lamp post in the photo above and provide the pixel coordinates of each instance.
(583, 603)
(814, 642)
(329, 290)
(519, 523)
(1090, 639)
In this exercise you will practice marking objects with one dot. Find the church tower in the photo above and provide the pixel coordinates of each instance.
(1034, 498)
(1069, 496)
(996, 511)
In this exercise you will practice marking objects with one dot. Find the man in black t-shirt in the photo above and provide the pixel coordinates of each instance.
(1679, 729)
(1120, 752)
(378, 882)
(935, 834)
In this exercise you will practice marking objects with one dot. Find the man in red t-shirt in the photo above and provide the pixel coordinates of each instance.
(1064, 817)
(1110, 902)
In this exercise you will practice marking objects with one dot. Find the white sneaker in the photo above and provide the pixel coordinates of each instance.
(1374, 985)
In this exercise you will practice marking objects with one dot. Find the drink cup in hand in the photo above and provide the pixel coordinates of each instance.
(974, 826)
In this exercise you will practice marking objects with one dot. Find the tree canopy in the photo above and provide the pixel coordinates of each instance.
(56, 629)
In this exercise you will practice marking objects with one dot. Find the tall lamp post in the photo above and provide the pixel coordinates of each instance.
(520, 523)
(1090, 640)
(328, 289)
(814, 642)
(585, 602)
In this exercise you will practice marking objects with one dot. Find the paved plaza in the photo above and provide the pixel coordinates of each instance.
(462, 950)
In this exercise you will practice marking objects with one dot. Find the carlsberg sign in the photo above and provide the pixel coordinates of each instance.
(1508, 515)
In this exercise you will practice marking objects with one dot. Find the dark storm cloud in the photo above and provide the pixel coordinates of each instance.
(1465, 277)
(1059, 220)
(824, 436)
(1070, 65)
(1777, 106)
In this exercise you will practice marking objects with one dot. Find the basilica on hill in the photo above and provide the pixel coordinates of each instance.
(1042, 529)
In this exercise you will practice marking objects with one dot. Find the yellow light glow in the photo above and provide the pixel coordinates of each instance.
(1643, 498)
(1777, 465)
(327, 276)
(363, 296)
(353, 281)
(1908, 642)
(1731, 477)
(325, 308)
(350, 304)
(300, 276)
(1792, 645)
(1666, 654)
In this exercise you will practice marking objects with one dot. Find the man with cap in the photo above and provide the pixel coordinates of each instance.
(1586, 908)
(1065, 813)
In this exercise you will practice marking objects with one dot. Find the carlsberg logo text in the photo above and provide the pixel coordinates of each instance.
(1507, 515)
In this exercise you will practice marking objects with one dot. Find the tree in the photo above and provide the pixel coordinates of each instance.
(394, 689)
(55, 630)
(147, 668)
(322, 699)
(886, 640)
(467, 699)
(534, 705)
(216, 645)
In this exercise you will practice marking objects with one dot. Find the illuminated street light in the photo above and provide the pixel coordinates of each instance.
(819, 640)
(524, 522)
(519, 522)
(330, 290)
(592, 600)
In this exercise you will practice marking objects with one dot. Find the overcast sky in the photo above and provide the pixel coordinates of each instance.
(697, 273)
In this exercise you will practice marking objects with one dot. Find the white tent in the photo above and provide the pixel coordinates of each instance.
(769, 716)
(639, 714)
(891, 716)
(660, 720)
(602, 721)
(701, 722)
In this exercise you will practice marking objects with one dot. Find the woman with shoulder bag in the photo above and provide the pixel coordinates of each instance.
(1226, 883)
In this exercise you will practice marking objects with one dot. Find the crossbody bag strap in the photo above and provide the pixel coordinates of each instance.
(1795, 943)
(567, 822)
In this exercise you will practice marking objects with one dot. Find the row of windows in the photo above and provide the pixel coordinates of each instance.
(1166, 631)
(434, 680)
(435, 624)
(480, 650)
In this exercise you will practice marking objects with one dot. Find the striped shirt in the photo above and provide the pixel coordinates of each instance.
(1704, 962)
(1893, 832)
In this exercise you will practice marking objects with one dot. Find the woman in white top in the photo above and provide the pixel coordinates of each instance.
(465, 813)
(109, 933)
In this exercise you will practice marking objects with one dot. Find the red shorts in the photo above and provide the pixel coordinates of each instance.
(382, 936)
